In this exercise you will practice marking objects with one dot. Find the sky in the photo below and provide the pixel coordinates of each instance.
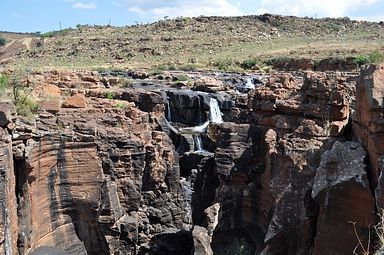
(49, 15)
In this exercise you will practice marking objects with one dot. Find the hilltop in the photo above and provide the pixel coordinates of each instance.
(225, 43)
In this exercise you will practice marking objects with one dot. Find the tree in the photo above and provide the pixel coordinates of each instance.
(2, 41)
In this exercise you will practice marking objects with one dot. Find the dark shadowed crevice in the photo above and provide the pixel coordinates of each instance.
(21, 172)
(348, 131)
(178, 243)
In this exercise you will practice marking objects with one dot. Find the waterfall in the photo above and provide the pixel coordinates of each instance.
(194, 130)
(249, 84)
(214, 117)
(198, 143)
(215, 113)
(169, 116)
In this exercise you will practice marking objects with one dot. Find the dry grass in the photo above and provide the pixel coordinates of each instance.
(205, 40)
(378, 238)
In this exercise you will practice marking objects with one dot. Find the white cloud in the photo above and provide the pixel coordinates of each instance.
(176, 8)
(375, 18)
(80, 5)
(323, 8)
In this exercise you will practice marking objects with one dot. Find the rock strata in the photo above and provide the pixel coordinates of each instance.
(297, 157)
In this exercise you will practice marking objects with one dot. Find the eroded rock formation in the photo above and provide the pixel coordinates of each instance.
(101, 170)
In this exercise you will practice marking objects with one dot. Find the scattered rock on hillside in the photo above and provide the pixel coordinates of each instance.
(75, 101)
(208, 84)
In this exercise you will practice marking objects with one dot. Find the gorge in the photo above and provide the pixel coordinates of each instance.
(278, 163)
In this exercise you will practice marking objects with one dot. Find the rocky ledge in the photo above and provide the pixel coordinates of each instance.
(284, 163)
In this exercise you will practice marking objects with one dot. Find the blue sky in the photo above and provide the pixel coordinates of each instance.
(46, 15)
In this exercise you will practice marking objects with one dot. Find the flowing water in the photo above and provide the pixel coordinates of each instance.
(194, 130)
(198, 143)
(215, 113)
(215, 116)
(169, 117)
(249, 84)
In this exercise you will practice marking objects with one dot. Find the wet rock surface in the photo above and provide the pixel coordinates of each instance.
(108, 170)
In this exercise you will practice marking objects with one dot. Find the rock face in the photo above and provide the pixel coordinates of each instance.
(341, 188)
(8, 203)
(296, 159)
(368, 123)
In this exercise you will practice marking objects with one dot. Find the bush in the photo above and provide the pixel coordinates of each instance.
(361, 60)
(224, 64)
(25, 105)
(121, 105)
(249, 63)
(376, 57)
(370, 58)
(280, 61)
(188, 68)
(126, 83)
(3, 82)
(48, 34)
(2, 41)
(158, 69)
(109, 95)
(182, 77)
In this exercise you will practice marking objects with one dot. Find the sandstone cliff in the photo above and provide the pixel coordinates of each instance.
(146, 169)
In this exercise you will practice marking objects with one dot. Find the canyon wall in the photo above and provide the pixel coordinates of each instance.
(293, 168)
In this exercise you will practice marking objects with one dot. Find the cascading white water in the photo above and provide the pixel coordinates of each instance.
(198, 143)
(215, 116)
(194, 130)
(249, 84)
(215, 113)
(169, 112)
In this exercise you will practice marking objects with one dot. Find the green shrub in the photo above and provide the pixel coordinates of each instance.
(188, 68)
(182, 77)
(370, 58)
(48, 34)
(121, 105)
(249, 63)
(158, 69)
(282, 60)
(3, 82)
(376, 57)
(2, 41)
(101, 69)
(109, 95)
(361, 59)
(126, 83)
(25, 105)
(79, 27)
(224, 64)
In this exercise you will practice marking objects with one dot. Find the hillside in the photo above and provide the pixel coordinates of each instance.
(204, 43)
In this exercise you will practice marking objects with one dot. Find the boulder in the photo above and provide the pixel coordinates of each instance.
(201, 241)
(7, 111)
(50, 90)
(75, 101)
(208, 84)
(51, 106)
